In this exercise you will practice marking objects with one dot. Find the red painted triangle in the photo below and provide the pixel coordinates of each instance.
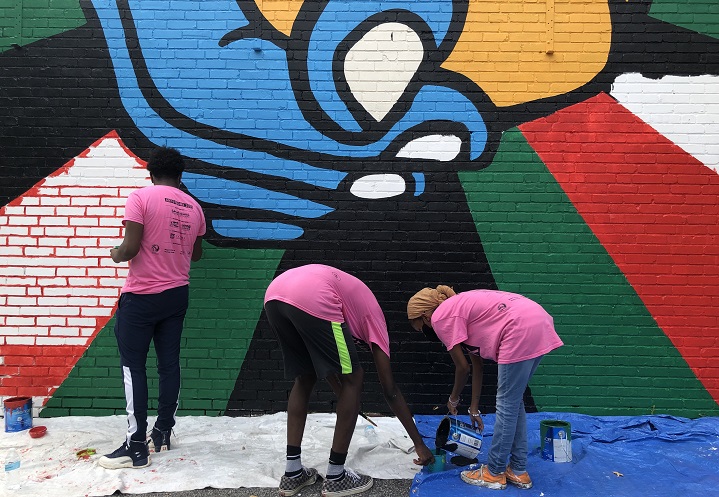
(655, 210)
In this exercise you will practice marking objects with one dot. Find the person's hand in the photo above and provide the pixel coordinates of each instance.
(476, 418)
(424, 455)
(113, 254)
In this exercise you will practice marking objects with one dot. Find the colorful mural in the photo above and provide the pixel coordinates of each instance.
(565, 150)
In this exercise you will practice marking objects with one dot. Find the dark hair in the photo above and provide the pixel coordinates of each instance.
(165, 162)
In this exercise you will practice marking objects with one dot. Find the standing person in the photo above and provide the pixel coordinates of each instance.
(316, 312)
(163, 232)
(507, 328)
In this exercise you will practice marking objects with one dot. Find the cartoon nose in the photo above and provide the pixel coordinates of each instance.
(381, 64)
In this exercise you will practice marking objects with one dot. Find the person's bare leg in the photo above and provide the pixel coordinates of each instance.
(297, 406)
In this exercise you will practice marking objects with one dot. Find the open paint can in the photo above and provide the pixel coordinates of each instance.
(556, 439)
(18, 414)
(458, 437)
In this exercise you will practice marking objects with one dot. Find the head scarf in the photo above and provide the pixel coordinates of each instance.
(427, 300)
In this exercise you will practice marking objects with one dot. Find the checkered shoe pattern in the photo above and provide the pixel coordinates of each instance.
(352, 483)
(290, 486)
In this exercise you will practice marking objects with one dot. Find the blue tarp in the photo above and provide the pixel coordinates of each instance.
(617, 456)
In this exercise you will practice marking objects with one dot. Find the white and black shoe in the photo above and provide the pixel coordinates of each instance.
(130, 455)
(292, 485)
(350, 484)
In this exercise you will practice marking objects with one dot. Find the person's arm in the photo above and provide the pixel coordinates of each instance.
(477, 377)
(395, 401)
(461, 370)
(197, 250)
(130, 245)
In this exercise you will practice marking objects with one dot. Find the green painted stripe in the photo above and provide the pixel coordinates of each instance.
(701, 16)
(345, 361)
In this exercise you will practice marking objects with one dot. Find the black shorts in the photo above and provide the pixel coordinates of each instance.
(310, 344)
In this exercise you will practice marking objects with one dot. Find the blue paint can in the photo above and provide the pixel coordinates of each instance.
(458, 437)
(18, 414)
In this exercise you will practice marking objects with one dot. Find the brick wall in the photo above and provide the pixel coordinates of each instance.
(563, 150)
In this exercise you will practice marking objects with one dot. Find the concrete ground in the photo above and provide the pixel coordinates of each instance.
(381, 488)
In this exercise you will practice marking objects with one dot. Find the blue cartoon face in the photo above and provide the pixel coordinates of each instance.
(289, 128)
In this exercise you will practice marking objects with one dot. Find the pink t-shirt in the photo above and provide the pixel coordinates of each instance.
(500, 326)
(171, 220)
(331, 294)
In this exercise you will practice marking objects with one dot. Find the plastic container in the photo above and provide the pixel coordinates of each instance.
(38, 431)
(556, 440)
(370, 434)
(12, 470)
(440, 459)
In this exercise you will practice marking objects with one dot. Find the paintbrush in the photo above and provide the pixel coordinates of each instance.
(368, 419)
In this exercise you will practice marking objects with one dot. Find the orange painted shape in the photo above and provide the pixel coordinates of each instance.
(504, 47)
(654, 208)
(280, 13)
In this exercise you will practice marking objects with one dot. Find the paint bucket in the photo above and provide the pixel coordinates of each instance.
(440, 459)
(556, 439)
(458, 437)
(18, 414)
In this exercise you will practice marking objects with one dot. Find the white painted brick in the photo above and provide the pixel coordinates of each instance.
(55, 200)
(39, 251)
(14, 210)
(112, 282)
(106, 302)
(61, 341)
(50, 311)
(71, 211)
(84, 242)
(113, 201)
(85, 201)
(30, 201)
(54, 221)
(101, 211)
(84, 221)
(37, 231)
(53, 301)
(20, 340)
(22, 221)
(38, 331)
(81, 231)
(10, 250)
(100, 271)
(59, 231)
(83, 301)
(85, 261)
(52, 282)
(40, 211)
(97, 311)
(75, 191)
(51, 321)
(69, 252)
(20, 321)
(109, 242)
(39, 271)
(77, 282)
(65, 331)
(52, 242)
(23, 241)
(11, 330)
(10, 280)
(82, 322)
(34, 290)
(101, 252)
(71, 271)
(12, 271)
(15, 291)
(14, 230)
(111, 221)
(46, 191)
(21, 301)
(87, 332)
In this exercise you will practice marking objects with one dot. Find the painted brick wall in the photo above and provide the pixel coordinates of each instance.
(563, 150)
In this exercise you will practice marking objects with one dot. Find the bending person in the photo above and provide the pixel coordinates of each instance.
(316, 312)
(504, 327)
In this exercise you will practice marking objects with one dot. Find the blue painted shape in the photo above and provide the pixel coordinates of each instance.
(419, 184)
(235, 194)
(252, 230)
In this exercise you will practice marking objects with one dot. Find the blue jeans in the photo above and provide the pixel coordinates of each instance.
(510, 427)
(140, 319)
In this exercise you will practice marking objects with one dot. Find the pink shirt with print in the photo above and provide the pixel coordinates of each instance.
(500, 326)
(171, 220)
(328, 293)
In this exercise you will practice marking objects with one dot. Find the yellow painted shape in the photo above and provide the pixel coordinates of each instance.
(280, 13)
(504, 47)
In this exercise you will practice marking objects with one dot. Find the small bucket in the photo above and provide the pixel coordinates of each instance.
(18, 414)
(458, 437)
(556, 439)
(440, 459)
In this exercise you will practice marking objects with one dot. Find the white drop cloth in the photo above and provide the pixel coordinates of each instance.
(219, 452)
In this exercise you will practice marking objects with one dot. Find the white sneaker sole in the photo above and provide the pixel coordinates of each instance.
(351, 491)
(482, 483)
(120, 463)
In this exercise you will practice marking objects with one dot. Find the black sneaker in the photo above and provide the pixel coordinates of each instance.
(159, 440)
(290, 486)
(352, 483)
(129, 455)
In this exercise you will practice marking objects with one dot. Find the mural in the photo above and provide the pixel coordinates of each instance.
(565, 150)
